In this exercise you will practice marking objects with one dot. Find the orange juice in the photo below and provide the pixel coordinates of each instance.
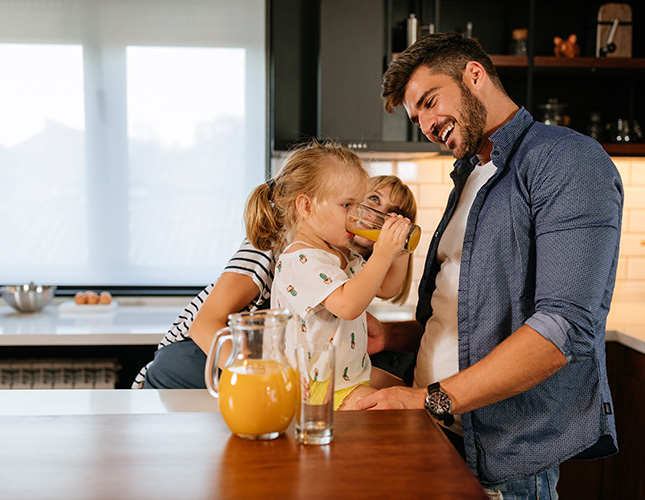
(257, 397)
(370, 234)
(373, 234)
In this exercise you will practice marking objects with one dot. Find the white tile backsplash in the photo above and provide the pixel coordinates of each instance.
(635, 220)
(621, 271)
(632, 245)
(433, 195)
(428, 218)
(624, 166)
(636, 269)
(428, 172)
(634, 196)
(638, 172)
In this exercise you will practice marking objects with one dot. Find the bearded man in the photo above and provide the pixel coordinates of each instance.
(510, 323)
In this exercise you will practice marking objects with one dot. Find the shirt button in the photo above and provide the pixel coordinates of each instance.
(496, 153)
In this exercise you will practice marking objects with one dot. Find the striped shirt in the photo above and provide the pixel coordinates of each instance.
(248, 261)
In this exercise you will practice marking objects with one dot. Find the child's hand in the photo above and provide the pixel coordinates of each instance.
(392, 238)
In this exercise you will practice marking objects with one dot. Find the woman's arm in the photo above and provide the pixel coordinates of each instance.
(231, 294)
(394, 278)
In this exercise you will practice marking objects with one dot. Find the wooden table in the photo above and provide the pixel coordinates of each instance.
(192, 455)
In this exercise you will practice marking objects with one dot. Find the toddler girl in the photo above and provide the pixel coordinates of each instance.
(301, 215)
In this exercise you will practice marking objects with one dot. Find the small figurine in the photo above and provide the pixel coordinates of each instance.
(566, 48)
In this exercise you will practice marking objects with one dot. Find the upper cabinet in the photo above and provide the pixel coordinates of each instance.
(293, 65)
(328, 58)
(327, 62)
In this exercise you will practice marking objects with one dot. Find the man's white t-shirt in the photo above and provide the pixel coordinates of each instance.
(438, 353)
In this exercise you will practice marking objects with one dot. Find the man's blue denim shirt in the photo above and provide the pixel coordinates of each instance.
(541, 249)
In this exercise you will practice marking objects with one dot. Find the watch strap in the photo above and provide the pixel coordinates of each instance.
(434, 387)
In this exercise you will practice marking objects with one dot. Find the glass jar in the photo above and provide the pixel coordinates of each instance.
(519, 45)
(257, 387)
(594, 126)
(554, 113)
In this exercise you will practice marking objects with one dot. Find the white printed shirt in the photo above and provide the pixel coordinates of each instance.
(303, 280)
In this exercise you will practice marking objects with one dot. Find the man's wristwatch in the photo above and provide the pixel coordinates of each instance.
(438, 404)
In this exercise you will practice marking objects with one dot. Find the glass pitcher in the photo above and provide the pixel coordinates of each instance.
(256, 389)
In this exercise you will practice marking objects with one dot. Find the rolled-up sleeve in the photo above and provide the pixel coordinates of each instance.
(577, 229)
(552, 327)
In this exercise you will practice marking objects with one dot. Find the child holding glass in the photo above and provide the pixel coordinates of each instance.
(301, 215)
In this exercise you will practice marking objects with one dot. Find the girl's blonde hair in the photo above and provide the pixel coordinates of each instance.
(315, 169)
(402, 197)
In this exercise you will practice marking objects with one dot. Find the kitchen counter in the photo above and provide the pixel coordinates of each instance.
(164, 451)
(145, 322)
(132, 322)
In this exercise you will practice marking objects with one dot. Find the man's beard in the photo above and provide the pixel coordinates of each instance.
(473, 117)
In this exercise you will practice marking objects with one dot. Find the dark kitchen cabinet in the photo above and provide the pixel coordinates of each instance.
(351, 66)
(620, 476)
(327, 61)
(293, 65)
(610, 88)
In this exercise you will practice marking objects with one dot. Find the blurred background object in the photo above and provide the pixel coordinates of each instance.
(29, 297)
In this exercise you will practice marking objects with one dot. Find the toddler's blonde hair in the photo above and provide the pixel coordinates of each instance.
(315, 169)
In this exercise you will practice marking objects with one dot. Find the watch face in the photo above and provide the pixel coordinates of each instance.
(438, 403)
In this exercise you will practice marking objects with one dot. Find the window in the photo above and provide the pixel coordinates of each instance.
(130, 136)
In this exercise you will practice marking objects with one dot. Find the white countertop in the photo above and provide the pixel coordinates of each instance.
(132, 322)
(105, 402)
(146, 321)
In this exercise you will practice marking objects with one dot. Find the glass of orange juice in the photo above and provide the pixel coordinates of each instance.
(367, 222)
(257, 386)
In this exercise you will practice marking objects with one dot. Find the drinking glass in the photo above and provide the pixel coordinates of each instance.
(367, 222)
(315, 403)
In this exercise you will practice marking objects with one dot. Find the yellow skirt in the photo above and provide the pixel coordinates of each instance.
(318, 393)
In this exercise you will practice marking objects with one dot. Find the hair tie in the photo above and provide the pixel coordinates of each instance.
(271, 184)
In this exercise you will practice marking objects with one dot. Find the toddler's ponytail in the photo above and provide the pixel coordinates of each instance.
(263, 224)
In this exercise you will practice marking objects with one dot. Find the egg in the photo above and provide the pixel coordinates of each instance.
(80, 298)
(92, 297)
(105, 298)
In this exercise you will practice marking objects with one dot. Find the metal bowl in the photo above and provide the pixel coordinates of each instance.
(27, 298)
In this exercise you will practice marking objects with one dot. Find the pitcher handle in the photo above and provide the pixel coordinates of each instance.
(212, 380)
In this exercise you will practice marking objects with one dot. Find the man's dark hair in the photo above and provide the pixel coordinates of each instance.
(446, 53)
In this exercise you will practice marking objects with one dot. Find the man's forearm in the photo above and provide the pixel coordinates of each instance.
(520, 362)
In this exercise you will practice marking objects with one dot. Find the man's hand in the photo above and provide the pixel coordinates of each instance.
(394, 398)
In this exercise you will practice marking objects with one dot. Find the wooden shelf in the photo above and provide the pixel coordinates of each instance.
(503, 61)
(634, 149)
